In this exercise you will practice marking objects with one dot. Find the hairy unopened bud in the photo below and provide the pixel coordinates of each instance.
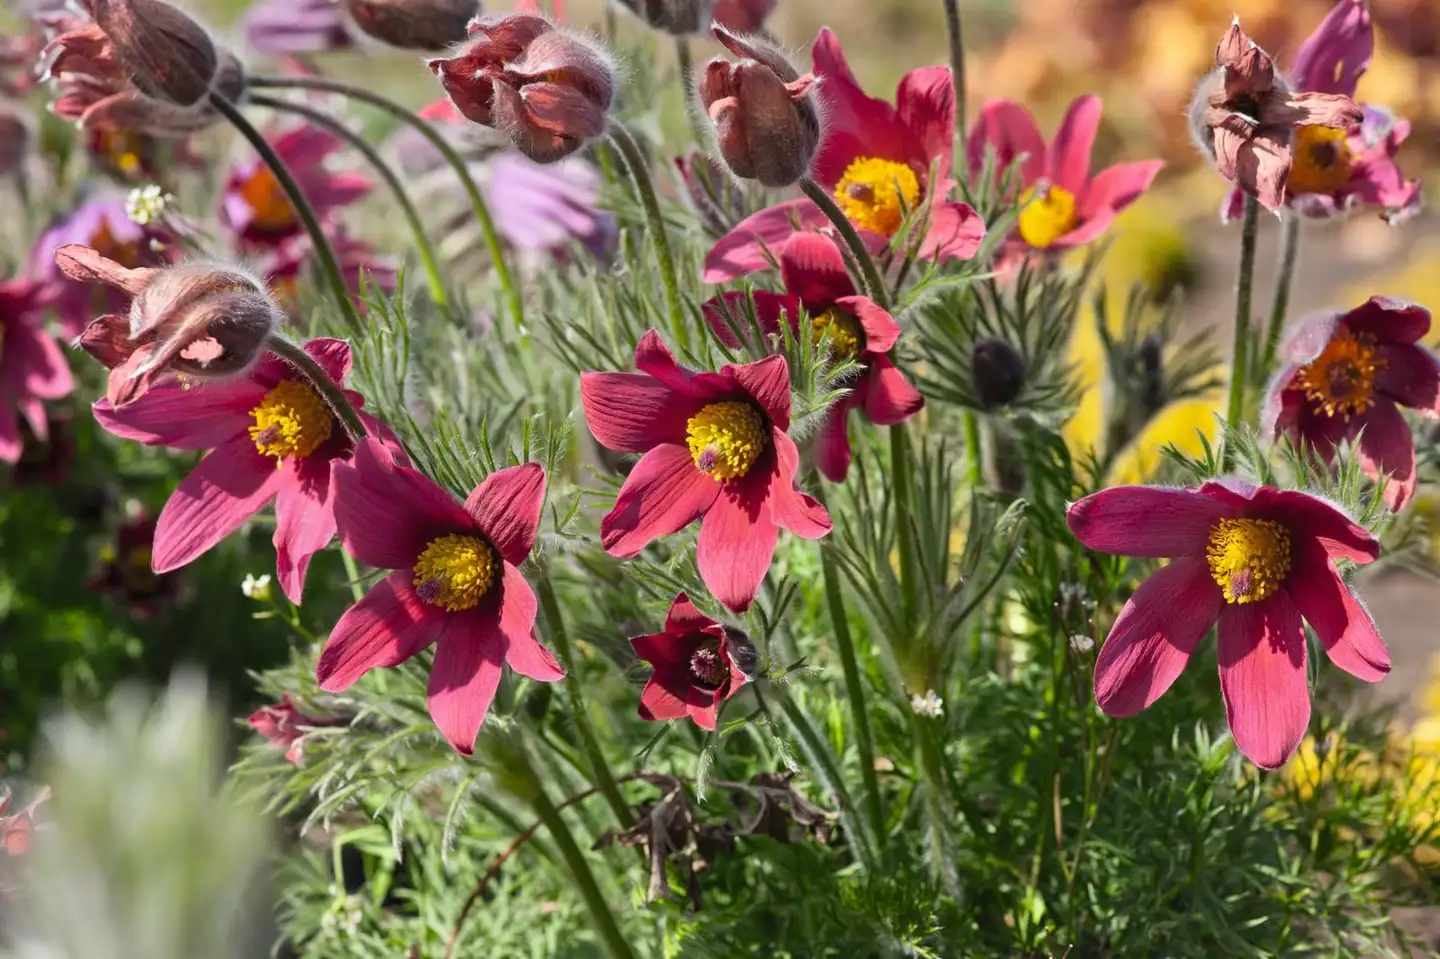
(1152, 373)
(203, 320)
(165, 53)
(742, 651)
(998, 371)
(677, 17)
(414, 24)
(766, 125)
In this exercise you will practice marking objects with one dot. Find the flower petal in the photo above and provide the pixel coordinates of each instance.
(1389, 320)
(955, 233)
(1318, 519)
(1155, 635)
(227, 487)
(1262, 166)
(729, 313)
(1388, 449)
(11, 445)
(1262, 677)
(832, 443)
(1340, 619)
(516, 621)
(857, 124)
(38, 358)
(1010, 130)
(925, 105)
(1068, 163)
(881, 330)
(304, 521)
(387, 513)
(755, 242)
(812, 268)
(195, 419)
(506, 508)
(659, 703)
(768, 381)
(1410, 376)
(464, 677)
(737, 542)
(1336, 55)
(683, 617)
(663, 493)
(1116, 187)
(631, 412)
(789, 508)
(1144, 521)
(653, 357)
(385, 628)
(889, 396)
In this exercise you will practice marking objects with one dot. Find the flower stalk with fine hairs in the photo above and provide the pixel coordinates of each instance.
(640, 173)
(1244, 287)
(1289, 257)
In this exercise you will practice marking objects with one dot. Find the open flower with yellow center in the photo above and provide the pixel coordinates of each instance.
(455, 584)
(693, 672)
(884, 167)
(270, 437)
(715, 449)
(1345, 376)
(254, 204)
(855, 327)
(1258, 561)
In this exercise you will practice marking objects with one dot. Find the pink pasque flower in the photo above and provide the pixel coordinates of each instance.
(879, 162)
(32, 366)
(1333, 171)
(455, 584)
(359, 264)
(1258, 561)
(1062, 204)
(255, 205)
(17, 829)
(813, 271)
(1345, 374)
(270, 437)
(716, 447)
(694, 673)
(743, 16)
(285, 726)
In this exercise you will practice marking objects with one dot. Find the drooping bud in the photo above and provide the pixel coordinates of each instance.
(165, 53)
(206, 321)
(766, 125)
(414, 24)
(998, 371)
(743, 16)
(742, 651)
(677, 17)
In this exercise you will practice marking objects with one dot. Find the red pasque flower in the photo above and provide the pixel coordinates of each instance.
(255, 205)
(16, 829)
(716, 447)
(813, 270)
(694, 673)
(270, 437)
(1062, 204)
(32, 367)
(126, 572)
(1345, 374)
(455, 584)
(1258, 561)
(359, 264)
(879, 162)
(743, 16)
(285, 726)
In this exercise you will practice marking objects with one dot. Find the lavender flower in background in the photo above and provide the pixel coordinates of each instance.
(297, 26)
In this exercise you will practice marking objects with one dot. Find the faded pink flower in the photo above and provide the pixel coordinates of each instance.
(255, 205)
(285, 726)
(32, 366)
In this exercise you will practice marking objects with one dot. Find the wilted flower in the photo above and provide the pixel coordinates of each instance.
(881, 163)
(125, 569)
(255, 205)
(297, 26)
(765, 121)
(742, 16)
(998, 371)
(694, 673)
(32, 367)
(1062, 204)
(204, 320)
(716, 447)
(414, 24)
(1345, 374)
(813, 271)
(455, 584)
(1244, 116)
(1257, 560)
(546, 89)
(285, 726)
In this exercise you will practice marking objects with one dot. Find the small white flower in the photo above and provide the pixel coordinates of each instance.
(1081, 644)
(256, 587)
(146, 204)
(929, 705)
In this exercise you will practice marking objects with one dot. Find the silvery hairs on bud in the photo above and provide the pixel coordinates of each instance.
(677, 17)
(164, 52)
(414, 24)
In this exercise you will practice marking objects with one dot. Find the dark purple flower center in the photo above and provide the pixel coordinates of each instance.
(708, 666)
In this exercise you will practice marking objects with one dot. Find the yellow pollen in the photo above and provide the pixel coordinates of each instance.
(1047, 212)
(1341, 380)
(292, 420)
(272, 209)
(726, 439)
(1249, 558)
(877, 194)
(847, 338)
(1320, 160)
(455, 572)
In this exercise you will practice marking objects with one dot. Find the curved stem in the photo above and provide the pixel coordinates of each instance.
(320, 381)
(392, 180)
(302, 207)
(687, 84)
(870, 272)
(957, 60)
(640, 173)
(1289, 256)
(438, 141)
(604, 919)
(1244, 287)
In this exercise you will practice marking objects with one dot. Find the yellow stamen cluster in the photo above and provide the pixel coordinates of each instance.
(122, 149)
(272, 209)
(1341, 380)
(1320, 160)
(726, 439)
(292, 420)
(1249, 558)
(876, 194)
(847, 338)
(1047, 212)
(455, 572)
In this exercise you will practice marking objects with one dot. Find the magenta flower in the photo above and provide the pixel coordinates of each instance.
(256, 207)
(297, 26)
(1258, 561)
(1062, 204)
(285, 726)
(125, 572)
(17, 829)
(693, 671)
(716, 447)
(878, 161)
(455, 584)
(32, 367)
(270, 437)
(359, 264)
(813, 271)
(1345, 374)
(743, 16)
(1332, 170)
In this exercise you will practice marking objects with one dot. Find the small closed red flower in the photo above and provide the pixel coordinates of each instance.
(255, 205)
(414, 24)
(1346, 374)
(716, 449)
(455, 584)
(694, 672)
(813, 270)
(1259, 561)
(284, 725)
(32, 367)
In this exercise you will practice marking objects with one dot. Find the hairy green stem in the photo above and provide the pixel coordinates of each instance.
(600, 913)
(957, 60)
(901, 483)
(1289, 256)
(874, 283)
(323, 251)
(645, 187)
(314, 374)
(1244, 287)
(687, 83)
(974, 458)
(412, 216)
(437, 140)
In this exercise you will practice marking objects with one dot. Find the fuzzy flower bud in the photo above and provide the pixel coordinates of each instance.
(548, 90)
(998, 371)
(414, 24)
(766, 125)
(202, 320)
(676, 17)
(166, 54)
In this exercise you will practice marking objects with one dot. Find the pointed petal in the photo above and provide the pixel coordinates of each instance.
(195, 419)
(1144, 521)
(789, 508)
(385, 628)
(832, 444)
(463, 680)
(889, 396)
(1114, 188)
(1388, 449)
(1010, 130)
(812, 268)
(1262, 167)
(386, 513)
(227, 487)
(755, 242)
(304, 521)
(653, 357)
(664, 493)
(1336, 55)
(1339, 618)
(1262, 676)
(955, 233)
(506, 508)
(737, 542)
(683, 617)
(46, 374)
(523, 652)
(631, 412)
(1339, 535)
(659, 703)
(881, 330)
(925, 105)
(768, 381)
(1410, 376)
(856, 121)
(1069, 158)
